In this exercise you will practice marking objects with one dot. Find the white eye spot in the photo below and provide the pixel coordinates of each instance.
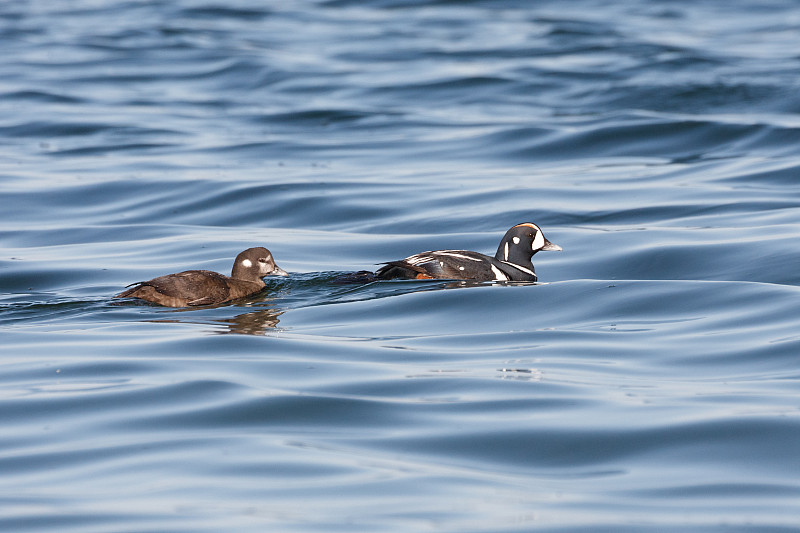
(247, 263)
(461, 268)
(516, 240)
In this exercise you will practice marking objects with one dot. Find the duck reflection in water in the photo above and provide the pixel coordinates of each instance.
(253, 322)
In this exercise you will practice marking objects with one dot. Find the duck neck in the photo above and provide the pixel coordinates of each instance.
(245, 274)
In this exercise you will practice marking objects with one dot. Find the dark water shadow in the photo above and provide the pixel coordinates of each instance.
(257, 322)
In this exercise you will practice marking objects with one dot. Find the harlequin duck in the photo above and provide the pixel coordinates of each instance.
(204, 287)
(512, 262)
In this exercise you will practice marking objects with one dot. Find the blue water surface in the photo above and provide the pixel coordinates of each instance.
(649, 382)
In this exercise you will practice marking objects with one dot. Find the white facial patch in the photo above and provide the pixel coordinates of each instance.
(247, 263)
(460, 268)
(516, 241)
(538, 241)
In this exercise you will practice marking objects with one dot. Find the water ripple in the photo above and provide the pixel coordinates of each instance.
(648, 383)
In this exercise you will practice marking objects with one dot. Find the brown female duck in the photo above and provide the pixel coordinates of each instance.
(205, 287)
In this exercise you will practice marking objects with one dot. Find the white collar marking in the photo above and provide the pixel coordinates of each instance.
(499, 275)
(531, 272)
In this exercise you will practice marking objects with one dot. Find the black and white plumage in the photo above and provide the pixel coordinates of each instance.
(512, 262)
(205, 287)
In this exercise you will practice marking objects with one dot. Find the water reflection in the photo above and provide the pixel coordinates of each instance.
(252, 323)
(256, 321)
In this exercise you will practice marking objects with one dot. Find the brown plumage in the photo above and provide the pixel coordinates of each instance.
(204, 287)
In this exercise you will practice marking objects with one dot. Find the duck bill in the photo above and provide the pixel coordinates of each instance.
(278, 272)
(550, 247)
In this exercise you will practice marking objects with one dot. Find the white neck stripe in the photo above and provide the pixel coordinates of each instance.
(531, 272)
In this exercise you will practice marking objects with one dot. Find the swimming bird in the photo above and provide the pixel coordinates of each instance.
(205, 287)
(512, 262)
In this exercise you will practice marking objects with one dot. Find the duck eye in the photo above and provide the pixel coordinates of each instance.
(262, 259)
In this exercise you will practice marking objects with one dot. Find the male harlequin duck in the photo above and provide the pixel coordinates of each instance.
(204, 287)
(512, 262)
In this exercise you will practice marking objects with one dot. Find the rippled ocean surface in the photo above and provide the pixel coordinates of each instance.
(649, 382)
